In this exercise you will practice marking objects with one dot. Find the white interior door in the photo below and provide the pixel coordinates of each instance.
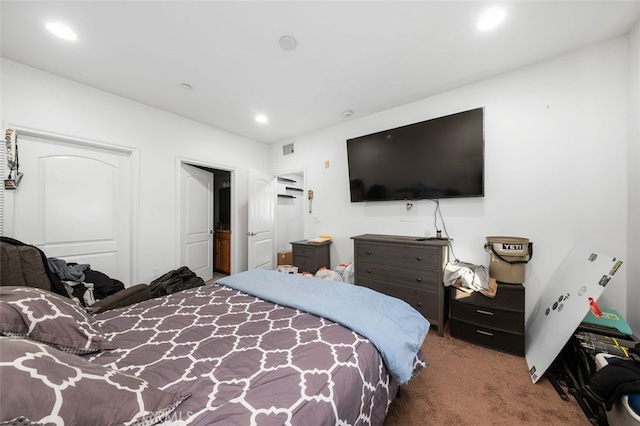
(261, 221)
(74, 202)
(196, 220)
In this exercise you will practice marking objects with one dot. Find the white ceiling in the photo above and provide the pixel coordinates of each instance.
(364, 56)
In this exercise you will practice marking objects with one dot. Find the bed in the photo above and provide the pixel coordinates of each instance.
(256, 348)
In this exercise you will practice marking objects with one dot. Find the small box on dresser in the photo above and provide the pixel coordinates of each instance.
(496, 323)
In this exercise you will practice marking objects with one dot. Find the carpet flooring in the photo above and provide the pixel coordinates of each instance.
(471, 385)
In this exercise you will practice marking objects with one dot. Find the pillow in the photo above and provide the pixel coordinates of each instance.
(41, 384)
(40, 315)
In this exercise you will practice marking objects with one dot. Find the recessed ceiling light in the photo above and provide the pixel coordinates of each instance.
(261, 118)
(186, 86)
(348, 113)
(62, 30)
(491, 18)
(288, 42)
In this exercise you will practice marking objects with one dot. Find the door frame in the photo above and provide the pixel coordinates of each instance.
(234, 220)
(9, 222)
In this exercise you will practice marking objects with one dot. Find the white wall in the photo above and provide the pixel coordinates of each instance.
(37, 100)
(633, 234)
(556, 163)
(555, 159)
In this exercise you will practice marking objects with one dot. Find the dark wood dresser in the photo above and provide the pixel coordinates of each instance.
(309, 257)
(409, 268)
(496, 323)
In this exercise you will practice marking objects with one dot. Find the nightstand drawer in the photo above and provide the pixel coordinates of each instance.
(509, 297)
(512, 343)
(303, 250)
(409, 277)
(488, 317)
(412, 257)
(425, 302)
(305, 264)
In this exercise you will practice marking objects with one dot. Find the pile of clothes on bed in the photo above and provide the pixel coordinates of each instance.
(342, 273)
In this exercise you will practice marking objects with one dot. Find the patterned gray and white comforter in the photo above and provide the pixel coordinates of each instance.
(247, 361)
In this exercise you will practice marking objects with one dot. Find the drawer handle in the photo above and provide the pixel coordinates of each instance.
(419, 279)
(419, 303)
(486, 333)
(480, 311)
(368, 271)
(419, 258)
(369, 252)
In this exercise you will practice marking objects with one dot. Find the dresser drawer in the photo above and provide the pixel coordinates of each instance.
(508, 297)
(488, 317)
(409, 277)
(425, 302)
(503, 341)
(412, 257)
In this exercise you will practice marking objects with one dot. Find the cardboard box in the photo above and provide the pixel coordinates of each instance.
(285, 257)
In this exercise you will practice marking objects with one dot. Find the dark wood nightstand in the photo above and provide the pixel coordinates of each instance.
(309, 257)
(496, 323)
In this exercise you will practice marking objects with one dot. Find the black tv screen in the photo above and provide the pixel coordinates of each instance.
(433, 159)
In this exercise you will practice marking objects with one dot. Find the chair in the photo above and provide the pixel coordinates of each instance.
(26, 265)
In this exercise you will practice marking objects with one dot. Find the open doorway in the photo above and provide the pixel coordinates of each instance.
(290, 215)
(222, 223)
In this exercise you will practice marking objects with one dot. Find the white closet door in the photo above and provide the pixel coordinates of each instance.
(74, 202)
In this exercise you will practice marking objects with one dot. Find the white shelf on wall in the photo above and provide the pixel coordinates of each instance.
(283, 179)
(286, 188)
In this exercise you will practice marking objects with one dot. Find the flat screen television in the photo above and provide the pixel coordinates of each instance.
(432, 159)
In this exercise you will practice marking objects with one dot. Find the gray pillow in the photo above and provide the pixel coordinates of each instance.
(40, 315)
(40, 384)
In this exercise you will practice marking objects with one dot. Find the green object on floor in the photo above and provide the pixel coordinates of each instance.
(609, 318)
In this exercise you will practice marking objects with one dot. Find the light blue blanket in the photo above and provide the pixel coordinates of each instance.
(393, 326)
